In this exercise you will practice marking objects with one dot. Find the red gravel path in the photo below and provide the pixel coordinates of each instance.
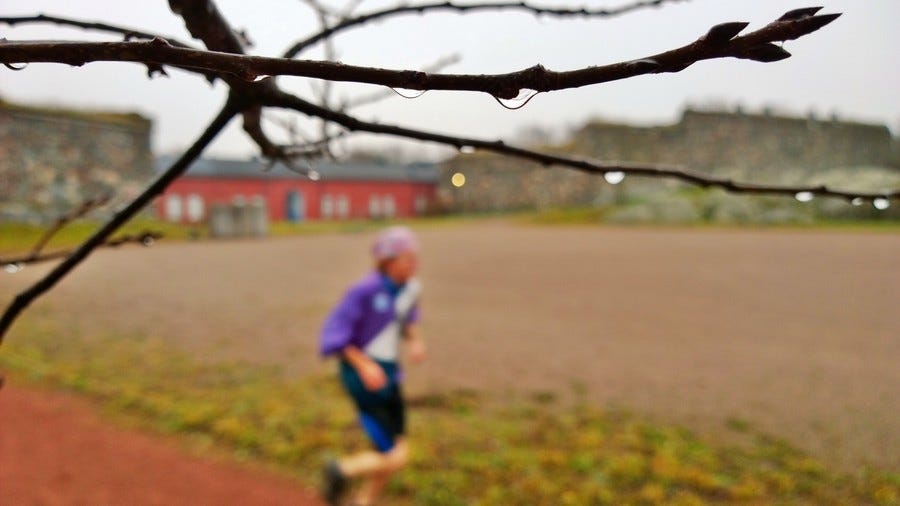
(54, 449)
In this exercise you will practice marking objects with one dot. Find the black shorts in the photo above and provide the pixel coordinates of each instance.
(383, 413)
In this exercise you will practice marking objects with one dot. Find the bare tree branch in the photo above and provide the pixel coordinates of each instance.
(25, 298)
(720, 42)
(205, 22)
(301, 142)
(328, 32)
(253, 127)
(128, 33)
(146, 238)
(288, 101)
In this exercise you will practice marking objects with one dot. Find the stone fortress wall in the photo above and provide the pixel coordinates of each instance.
(53, 159)
(757, 147)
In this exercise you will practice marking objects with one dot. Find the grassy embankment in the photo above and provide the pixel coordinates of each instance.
(17, 238)
(470, 448)
(20, 238)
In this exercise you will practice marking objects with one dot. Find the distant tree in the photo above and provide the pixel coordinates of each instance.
(253, 90)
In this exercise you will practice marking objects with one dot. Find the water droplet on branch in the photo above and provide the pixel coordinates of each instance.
(313, 175)
(858, 201)
(409, 94)
(13, 268)
(804, 196)
(881, 203)
(614, 177)
(466, 149)
(525, 95)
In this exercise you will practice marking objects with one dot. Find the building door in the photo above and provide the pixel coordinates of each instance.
(296, 207)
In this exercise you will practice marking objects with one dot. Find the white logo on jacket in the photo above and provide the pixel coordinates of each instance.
(381, 303)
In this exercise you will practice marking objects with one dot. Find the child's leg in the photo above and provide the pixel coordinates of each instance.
(392, 461)
(372, 462)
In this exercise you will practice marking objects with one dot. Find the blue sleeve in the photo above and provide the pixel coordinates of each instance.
(337, 332)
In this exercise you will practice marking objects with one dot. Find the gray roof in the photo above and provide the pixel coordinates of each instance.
(419, 172)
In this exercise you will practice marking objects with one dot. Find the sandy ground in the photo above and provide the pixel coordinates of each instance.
(796, 332)
(55, 450)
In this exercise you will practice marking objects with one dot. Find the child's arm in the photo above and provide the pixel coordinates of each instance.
(417, 350)
(338, 328)
(371, 374)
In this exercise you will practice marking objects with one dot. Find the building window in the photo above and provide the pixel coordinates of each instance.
(421, 204)
(173, 207)
(326, 206)
(195, 208)
(388, 206)
(374, 206)
(343, 206)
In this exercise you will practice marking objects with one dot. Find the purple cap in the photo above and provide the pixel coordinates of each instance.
(393, 241)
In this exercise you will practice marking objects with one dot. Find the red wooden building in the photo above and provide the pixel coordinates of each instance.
(351, 190)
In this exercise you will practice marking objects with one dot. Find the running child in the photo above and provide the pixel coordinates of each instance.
(365, 331)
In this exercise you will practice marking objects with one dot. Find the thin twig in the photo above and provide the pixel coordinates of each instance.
(325, 90)
(290, 126)
(329, 32)
(128, 33)
(720, 42)
(85, 207)
(146, 238)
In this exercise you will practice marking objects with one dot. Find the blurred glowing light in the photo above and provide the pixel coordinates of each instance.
(614, 177)
(881, 203)
(804, 196)
(458, 179)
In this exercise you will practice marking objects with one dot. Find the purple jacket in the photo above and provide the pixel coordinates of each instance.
(371, 317)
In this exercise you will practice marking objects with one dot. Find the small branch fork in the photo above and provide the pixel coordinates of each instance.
(249, 94)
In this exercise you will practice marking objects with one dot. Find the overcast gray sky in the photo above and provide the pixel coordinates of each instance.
(850, 67)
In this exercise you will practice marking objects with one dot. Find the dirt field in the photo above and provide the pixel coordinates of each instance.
(797, 333)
